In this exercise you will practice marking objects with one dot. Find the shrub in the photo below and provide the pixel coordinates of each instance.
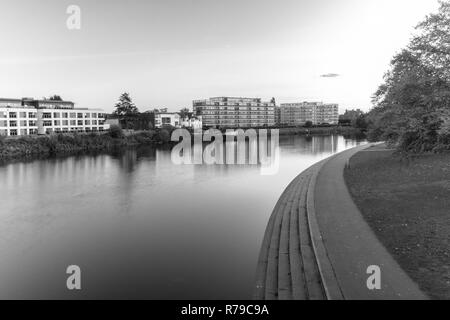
(116, 132)
(163, 136)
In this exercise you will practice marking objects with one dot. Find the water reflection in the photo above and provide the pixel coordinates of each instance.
(139, 226)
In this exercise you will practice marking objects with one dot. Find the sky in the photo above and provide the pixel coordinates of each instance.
(166, 53)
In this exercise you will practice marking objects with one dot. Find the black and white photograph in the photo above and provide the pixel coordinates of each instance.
(225, 154)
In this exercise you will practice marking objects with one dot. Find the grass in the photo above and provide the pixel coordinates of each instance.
(407, 202)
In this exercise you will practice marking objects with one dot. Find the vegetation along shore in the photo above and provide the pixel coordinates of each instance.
(30, 147)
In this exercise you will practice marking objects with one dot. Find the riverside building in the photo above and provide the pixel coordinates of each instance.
(27, 116)
(234, 112)
(316, 112)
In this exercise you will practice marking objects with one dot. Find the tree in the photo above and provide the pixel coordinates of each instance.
(308, 124)
(412, 105)
(351, 114)
(125, 109)
(55, 98)
(184, 113)
(125, 106)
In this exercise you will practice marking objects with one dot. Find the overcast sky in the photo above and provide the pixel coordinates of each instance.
(167, 53)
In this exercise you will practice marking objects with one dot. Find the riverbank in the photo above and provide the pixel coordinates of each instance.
(330, 130)
(40, 147)
(406, 201)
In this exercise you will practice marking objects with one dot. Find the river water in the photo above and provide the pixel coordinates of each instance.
(139, 226)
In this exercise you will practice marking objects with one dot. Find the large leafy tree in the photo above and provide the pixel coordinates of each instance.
(412, 106)
(125, 106)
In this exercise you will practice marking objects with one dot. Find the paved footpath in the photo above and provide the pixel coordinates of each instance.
(350, 243)
(317, 244)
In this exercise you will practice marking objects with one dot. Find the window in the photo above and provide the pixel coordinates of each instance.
(165, 120)
(23, 123)
(2, 114)
(31, 114)
(48, 131)
(23, 132)
(3, 123)
(73, 122)
(33, 131)
(13, 115)
(79, 115)
(94, 115)
(80, 122)
(87, 122)
(47, 123)
(65, 122)
(57, 123)
(87, 115)
(56, 115)
(65, 115)
(13, 132)
(13, 123)
(94, 122)
(23, 114)
(73, 115)
(32, 123)
(47, 115)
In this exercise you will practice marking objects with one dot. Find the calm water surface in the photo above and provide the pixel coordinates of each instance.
(139, 226)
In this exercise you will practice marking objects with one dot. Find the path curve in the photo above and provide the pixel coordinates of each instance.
(318, 246)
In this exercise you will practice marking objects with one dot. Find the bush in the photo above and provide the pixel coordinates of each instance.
(308, 124)
(116, 132)
(163, 136)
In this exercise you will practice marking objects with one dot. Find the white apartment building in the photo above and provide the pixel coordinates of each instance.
(235, 112)
(167, 119)
(316, 112)
(27, 116)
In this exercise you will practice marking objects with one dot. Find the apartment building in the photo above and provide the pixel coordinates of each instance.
(234, 112)
(316, 112)
(27, 116)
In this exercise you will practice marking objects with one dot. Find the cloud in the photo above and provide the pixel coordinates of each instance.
(330, 75)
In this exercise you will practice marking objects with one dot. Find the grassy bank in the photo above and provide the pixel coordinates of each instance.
(30, 147)
(406, 202)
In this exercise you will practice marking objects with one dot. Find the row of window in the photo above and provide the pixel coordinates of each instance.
(50, 115)
(65, 115)
(236, 108)
(49, 123)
